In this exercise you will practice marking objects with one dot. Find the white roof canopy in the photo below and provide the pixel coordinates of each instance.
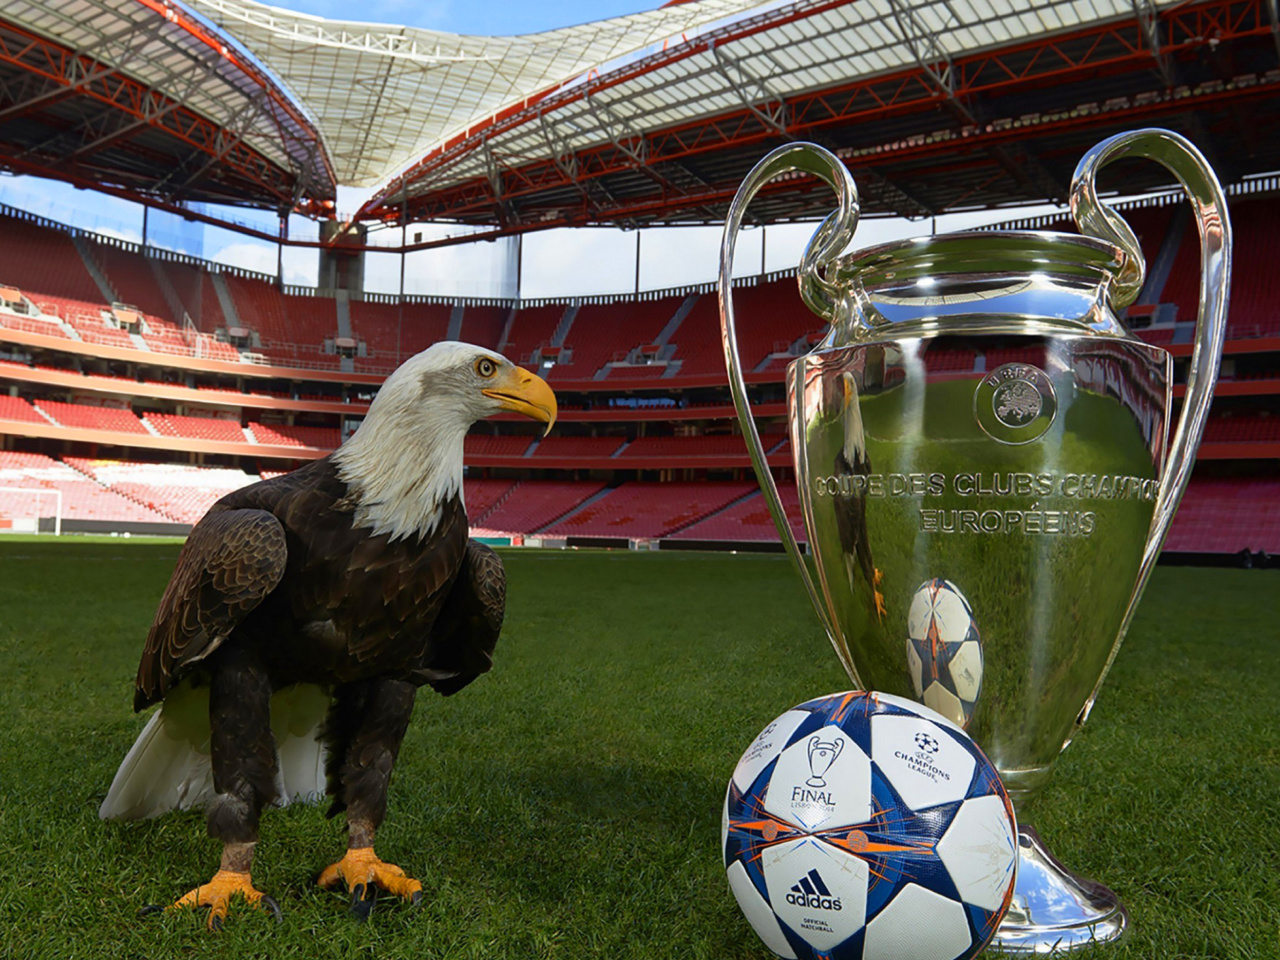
(382, 96)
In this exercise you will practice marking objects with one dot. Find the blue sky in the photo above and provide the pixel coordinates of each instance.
(490, 17)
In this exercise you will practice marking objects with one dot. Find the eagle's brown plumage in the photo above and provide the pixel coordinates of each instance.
(282, 565)
(350, 581)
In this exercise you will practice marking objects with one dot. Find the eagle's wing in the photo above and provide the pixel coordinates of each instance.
(467, 628)
(230, 562)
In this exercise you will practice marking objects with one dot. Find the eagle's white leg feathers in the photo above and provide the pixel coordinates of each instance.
(168, 767)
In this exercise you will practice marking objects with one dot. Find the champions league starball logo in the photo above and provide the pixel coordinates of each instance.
(926, 743)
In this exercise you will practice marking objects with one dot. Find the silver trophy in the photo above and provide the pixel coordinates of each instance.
(980, 536)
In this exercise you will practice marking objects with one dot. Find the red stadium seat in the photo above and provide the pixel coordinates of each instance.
(601, 333)
(486, 445)
(770, 318)
(649, 510)
(1227, 516)
(531, 329)
(320, 438)
(533, 504)
(749, 520)
(40, 258)
(197, 428)
(577, 447)
(91, 417)
(15, 408)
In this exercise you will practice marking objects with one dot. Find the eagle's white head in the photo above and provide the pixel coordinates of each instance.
(405, 461)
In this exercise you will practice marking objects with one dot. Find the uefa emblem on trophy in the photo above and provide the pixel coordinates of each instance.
(979, 539)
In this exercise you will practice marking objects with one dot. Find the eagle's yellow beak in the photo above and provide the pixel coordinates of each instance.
(525, 393)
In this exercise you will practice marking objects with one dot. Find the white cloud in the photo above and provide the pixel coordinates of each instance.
(248, 256)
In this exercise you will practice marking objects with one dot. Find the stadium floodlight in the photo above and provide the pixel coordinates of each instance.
(14, 502)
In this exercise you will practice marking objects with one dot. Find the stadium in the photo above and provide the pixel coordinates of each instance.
(145, 382)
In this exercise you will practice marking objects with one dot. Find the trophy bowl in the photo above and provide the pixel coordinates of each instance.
(979, 536)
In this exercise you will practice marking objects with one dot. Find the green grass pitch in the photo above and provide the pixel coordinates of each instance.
(568, 804)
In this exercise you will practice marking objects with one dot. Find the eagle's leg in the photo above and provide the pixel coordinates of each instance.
(243, 755)
(366, 726)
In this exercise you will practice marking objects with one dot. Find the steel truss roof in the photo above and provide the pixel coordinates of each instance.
(139, 95)
(936, 106)
(384, 95)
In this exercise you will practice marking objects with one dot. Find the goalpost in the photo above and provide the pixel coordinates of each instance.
(22, 509)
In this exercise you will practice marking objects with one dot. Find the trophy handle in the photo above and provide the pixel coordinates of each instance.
(820, 294)
(1183, 160)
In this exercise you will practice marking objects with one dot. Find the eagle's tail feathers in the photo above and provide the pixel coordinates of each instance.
(168, 766)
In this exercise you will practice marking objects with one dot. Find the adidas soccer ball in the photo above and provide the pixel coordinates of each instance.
(944, 650)
(862, 826)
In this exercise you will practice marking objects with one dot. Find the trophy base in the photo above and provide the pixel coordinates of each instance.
(1052, 908)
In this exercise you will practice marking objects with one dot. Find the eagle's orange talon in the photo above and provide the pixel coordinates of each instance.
(217, 894)
(362, 868)
(876, 578)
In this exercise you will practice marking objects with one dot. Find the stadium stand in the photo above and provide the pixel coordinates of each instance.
(379, 326)
(950, 361)
(320, 438)
(637, 371)
(1255, 302)
(34, 257)
(602, 349)
(482, 325)
(489, 445)
(260, 306)
(530, 329)
(748, 520)
(601, 333)
(1160, 336)
(1227, 516)
(91, 417)
(180, 492)
(311, 319)
(648, 510)
(772, 319)
(998, 358)
(198, 428)
(392, 331)
(194, 288)
(161, 336)
(132, 278)
(1242, 428)
(82, 498)
(481, 495)
(531, 505)
(15, 408)
(729, 445)
(424, 324)
(554, 447)
(46, 326)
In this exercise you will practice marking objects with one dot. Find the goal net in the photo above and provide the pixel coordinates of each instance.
(30, 510)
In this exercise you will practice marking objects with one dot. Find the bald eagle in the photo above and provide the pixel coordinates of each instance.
(303, 615)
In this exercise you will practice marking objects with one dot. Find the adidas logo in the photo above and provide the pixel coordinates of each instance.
(813, 893)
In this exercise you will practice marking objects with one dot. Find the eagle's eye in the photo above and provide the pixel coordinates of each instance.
(486, 367)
